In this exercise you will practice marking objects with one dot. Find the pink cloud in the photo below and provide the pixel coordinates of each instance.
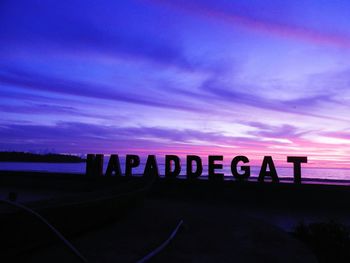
(261, 26)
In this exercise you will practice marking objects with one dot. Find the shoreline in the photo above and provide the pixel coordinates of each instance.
(227, 178)
(268, 193)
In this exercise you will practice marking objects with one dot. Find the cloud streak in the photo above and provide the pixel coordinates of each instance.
(258, 25)
(37, 82)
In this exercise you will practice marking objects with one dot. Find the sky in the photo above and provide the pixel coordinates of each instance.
(254, 78)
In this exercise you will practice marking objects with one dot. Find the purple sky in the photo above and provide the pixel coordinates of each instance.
(228, 77)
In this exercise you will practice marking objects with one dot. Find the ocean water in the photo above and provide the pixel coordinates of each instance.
(313, 174)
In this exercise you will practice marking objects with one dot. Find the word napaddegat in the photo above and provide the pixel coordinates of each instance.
(94, 166)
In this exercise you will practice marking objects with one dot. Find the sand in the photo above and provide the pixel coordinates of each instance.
(223, 222)
(210, 233)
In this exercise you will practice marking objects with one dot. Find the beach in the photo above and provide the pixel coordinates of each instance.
(243, 221)
(210, 233)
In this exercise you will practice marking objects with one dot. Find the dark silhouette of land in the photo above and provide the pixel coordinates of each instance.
(42, 158)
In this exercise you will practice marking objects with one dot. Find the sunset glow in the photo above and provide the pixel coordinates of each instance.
(182, 77)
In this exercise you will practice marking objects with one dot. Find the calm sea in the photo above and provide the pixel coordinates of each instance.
(313, 174)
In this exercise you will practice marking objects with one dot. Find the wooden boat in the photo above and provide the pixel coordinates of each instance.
(77, 203)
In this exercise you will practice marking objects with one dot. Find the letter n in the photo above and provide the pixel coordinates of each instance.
(94, 165)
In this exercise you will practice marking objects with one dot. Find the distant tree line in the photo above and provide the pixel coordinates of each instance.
(33, 157)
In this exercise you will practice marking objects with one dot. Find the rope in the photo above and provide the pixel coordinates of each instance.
(162, 246)
(60, 236)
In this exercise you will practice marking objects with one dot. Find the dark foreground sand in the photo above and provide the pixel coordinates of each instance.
(211, 233)
(224, 221)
